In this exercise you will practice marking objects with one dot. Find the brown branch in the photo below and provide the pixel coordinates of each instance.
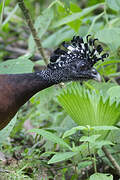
(111, 159)
(33, 30)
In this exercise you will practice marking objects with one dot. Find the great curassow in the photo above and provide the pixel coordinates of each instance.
(72, 62)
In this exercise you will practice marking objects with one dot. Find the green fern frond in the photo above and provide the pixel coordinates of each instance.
(88, 107)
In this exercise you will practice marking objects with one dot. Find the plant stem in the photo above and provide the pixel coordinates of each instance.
(111, 159)
(106, 17)
(28, 19)
(2, 12)
(93, 22)
(94, 163)
(93, 160)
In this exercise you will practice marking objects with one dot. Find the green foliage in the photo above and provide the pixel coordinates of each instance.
(89, 108)
(90, 144)
(114, 5)
(114, 92)
(110, 36)
(75, 16)
(100, 176)
(20, 65)
(93, 108)
(88, 129)
(41, 24)
(4, 133)
(58, 37)
(51, 137)
(58, 157)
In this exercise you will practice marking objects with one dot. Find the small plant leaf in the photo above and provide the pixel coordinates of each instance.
(41, 24)
(114, 5)
(48, 153)
(73, 131)
(90, 138)
(114, 92)
(19, 65)
(62, 34)
(99, 144)
(51, 137)
(100, 176)
(4, 133)
(61, 157)
(109, 36)
(75, 16)
(84, 164)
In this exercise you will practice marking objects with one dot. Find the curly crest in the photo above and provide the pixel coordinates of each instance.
(77, 49)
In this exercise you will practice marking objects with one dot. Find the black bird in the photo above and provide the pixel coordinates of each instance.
(72, 62)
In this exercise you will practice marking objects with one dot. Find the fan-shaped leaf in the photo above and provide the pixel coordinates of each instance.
(89, 108)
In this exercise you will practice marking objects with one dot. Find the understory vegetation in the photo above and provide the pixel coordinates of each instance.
(69, 131)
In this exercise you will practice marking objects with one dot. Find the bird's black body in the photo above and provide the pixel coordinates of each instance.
(73, 62)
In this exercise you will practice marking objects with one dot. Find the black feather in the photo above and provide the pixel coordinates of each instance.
(77, 49)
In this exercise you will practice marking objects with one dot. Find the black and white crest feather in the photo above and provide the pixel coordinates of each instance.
(77, 49)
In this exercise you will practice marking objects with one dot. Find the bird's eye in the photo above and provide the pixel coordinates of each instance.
(94, 71)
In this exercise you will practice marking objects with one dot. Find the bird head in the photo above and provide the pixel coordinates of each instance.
(74, 60)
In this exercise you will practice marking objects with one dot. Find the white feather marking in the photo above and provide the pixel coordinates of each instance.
(70, 48)
(83, 47)
(95, 52)
(58, 60)
(59, 65)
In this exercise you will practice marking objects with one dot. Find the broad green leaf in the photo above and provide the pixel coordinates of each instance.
(110, 36)
(107, 62)
(93, 2)
(4, 133)
(48, 153)
(114, 92)
(41, 25)
(42, 22)
(69, 133)
(99, 87)
(105, 128)
(91, 138)
(73, 131)
(100, 176)
(61, 157)
(99, 144)
(67, 4)
(20, 65)
(84, 164)
(113, 75)
(51, 137)
(108, 70)
(75, 7)
(75, 16)
(83, 149)
(58, 37)
(114, 5)
(67, 123)
(75, 25)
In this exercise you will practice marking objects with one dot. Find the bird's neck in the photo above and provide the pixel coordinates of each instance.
(24, 86)
(17, 89)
